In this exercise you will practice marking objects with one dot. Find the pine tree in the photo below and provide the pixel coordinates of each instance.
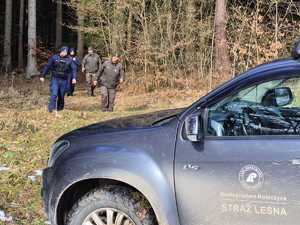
(21, 30)
(58, 38)
(31, 69)
(7, 61)
(80, 35)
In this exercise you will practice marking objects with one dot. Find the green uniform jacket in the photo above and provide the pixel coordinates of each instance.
(111, 74)
(92, 63)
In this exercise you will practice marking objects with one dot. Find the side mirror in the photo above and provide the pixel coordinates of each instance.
(278, 97)
(296, 50)
(193, 128)
(284, 96)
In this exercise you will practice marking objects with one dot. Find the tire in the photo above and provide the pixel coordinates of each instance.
(111, 204)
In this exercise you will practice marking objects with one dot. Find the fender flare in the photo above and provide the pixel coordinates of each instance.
(138, 170)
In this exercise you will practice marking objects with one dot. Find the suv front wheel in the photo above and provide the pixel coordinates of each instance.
(112, 205)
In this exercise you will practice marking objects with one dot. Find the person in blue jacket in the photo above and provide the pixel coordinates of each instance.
(61, 65)
(76, 61)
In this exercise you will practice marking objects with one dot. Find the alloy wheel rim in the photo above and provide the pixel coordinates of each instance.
(108, 216)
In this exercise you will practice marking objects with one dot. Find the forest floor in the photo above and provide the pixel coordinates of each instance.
(27, 131)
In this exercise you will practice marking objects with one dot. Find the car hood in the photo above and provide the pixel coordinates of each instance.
(125, 123)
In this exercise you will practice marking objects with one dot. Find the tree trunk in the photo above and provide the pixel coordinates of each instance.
(129, 31)
(21, 28)
(171, 59)
(222, 64)
(80, 35)
(189, 28)
(58, 38)
(117, 29)
(7, 36)
(146, 42)
(31, 69)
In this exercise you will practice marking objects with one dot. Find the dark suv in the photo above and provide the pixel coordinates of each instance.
(232, 158)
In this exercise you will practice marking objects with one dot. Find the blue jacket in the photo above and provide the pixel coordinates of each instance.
(60, 67)
(76, 60)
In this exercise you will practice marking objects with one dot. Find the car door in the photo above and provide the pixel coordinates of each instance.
(246, 168)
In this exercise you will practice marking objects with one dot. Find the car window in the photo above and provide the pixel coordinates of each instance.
(268, 108)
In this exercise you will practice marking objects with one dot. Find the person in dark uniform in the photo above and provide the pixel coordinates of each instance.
(76, 61)
(111, 75)
(61, 65)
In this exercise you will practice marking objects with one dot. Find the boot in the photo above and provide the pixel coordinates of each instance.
(92, 91)
(110, 109)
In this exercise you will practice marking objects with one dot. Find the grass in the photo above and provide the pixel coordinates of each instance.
(27, 131)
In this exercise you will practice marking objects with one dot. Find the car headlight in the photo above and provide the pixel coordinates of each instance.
(57, 149)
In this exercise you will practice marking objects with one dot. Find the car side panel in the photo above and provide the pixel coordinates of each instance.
(148, 167)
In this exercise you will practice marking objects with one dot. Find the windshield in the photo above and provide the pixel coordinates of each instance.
(251, 94)
(268, 108)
